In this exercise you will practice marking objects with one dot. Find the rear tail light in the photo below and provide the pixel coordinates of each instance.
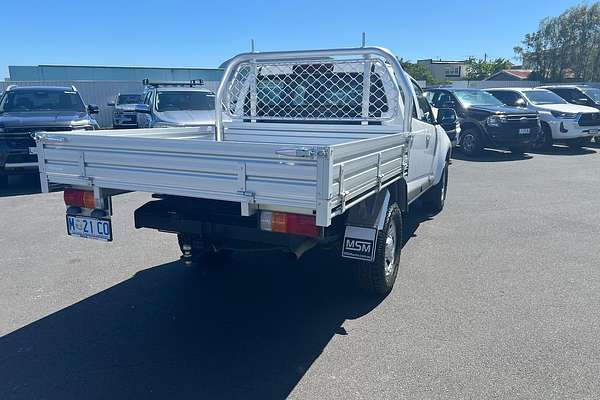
(295, 224)
(79, 198)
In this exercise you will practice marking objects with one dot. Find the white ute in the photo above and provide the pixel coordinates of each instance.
(575, 125)
(318, 148)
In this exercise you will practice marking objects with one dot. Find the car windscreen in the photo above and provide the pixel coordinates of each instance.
(185, 100)
(41, 100)
(476, 98)
(594, 93)
(539, 97)
(129, 99)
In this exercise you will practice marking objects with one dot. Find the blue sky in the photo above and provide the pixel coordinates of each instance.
(205, 33)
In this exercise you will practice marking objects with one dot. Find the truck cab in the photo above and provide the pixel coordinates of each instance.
(176, 104)
(487, 122)
(26, 110)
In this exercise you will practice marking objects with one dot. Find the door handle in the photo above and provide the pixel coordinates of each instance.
(427, 140)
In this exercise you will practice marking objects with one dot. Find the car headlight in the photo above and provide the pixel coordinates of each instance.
(166, 125)
(495, 120)
(563, 115)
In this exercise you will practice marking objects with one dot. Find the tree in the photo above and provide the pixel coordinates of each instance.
(418, 72)
(480, 69)
(565, 47)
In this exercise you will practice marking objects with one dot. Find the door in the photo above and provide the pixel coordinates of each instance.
(424, 140)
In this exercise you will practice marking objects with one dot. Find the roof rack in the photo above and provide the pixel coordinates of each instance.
(190, 83)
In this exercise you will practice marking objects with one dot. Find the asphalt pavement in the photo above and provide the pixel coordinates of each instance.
(497, 297)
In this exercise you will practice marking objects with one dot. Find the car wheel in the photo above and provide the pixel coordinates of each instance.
(434, 199)
(378, 277)
(470, 142)
(543, 140)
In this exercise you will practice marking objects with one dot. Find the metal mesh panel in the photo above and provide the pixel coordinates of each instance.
(312, 90)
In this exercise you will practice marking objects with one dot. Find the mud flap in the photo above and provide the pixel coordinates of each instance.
(359, 243)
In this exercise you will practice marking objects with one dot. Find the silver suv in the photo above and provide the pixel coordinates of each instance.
(172, 104)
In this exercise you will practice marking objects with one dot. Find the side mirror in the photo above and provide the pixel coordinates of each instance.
(446, 116)
(520, 103)
(110, 104)
(93, 109)
(142, 108)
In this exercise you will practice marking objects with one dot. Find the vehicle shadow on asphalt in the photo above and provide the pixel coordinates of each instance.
(251, 330)
(488, 155)
(558, 150)
(21, 185)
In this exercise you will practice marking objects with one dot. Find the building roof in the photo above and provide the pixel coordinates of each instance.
(521, 74)
(432, 61)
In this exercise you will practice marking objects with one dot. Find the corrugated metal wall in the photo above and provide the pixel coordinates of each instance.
(98, 92)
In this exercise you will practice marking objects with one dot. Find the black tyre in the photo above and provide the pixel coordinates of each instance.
(470, 142)
(378, 277)
(435, 197)
(543, 140)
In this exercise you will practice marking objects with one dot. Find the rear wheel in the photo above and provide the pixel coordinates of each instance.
(470, 142)
(378, 277)
(434, 199)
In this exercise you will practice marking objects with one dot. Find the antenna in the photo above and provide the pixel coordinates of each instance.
(252, 49)
(364, 39)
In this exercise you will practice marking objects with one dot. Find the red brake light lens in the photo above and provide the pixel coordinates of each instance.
(79, 198)
(297, 224)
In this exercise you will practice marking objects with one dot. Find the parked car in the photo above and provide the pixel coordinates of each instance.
(582, 95)
(571, 124)
(176, 104)
(25, 110)
(485, 121)
(304, 161)
(124, 115)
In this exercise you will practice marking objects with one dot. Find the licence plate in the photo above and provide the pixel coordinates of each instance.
(524, 131)
(89, 228)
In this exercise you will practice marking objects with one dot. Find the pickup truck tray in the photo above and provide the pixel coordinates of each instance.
(311, 169)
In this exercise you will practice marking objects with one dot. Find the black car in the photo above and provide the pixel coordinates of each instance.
(26, 110)
(581, 95)
(485, 121)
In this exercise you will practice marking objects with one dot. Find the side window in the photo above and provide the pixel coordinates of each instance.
(565, 94)
(426, 114)
(508, 98)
